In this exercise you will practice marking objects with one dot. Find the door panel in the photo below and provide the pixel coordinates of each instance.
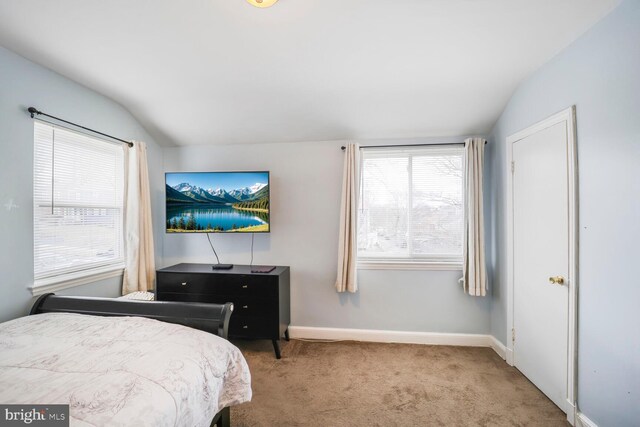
(541, 250)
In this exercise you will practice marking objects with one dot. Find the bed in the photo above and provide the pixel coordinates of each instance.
(124, 362)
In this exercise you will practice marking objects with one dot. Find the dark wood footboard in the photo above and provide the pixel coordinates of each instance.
(213, 318)
(222, 418)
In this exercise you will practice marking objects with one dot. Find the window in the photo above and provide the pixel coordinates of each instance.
(78, 205)
(411, 206)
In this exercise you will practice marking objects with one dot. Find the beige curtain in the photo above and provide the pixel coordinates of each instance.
(474, 271)
(140, 269)
(347, 248)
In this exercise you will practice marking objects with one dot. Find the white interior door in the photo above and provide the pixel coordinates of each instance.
(540, 256)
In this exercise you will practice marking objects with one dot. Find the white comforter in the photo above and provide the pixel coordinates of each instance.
(120, 371)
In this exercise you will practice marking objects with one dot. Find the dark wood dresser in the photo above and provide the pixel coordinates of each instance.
(261, 300)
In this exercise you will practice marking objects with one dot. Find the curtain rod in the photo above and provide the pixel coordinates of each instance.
(33, 111)
(408, 145)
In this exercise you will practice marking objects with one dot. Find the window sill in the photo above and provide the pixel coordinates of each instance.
(408, 265)
(57, 283)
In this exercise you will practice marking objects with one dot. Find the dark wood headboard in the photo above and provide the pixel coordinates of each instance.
(213, 318)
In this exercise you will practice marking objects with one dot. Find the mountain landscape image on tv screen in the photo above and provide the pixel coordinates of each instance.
(217, 202)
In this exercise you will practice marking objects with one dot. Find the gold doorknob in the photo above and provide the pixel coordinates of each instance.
(556, 280)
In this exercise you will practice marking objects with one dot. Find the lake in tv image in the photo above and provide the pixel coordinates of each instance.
(201, 202)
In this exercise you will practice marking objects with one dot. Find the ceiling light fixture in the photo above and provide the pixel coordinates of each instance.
(262, 3)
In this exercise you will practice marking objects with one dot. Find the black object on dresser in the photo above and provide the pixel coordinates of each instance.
(261, 300)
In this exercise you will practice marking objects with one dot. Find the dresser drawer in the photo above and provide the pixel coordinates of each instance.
(230, 285)
(253, 327)
(185, 283)
(193, 297)
(242, 306)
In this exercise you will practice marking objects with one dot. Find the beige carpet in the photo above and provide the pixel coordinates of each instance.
(369, 384)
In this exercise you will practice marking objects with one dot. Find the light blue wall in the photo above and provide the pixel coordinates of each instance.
(23, 84)
(306, 183)
(600, 74)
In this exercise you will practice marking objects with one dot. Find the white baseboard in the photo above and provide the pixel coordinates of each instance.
(403, 337)
(498, 347)
(571, 412)
(583, 421)
(509, 357)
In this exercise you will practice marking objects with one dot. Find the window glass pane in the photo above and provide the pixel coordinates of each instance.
(78, 201)
(384, 206)
(437, 215)
(411, 204)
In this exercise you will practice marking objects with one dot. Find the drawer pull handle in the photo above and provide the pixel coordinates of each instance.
(184, 283)
(245, 306)
(245, 327)
(245, 286)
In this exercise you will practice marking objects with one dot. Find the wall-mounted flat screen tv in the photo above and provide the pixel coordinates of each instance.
(217, 202)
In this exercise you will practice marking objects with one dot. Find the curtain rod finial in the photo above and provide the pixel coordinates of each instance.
(343, 148)
(33, 111)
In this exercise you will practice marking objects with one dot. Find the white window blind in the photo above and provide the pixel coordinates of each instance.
(411, 205)
(78, 202)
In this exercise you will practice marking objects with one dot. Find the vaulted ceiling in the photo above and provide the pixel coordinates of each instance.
(223, 71)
